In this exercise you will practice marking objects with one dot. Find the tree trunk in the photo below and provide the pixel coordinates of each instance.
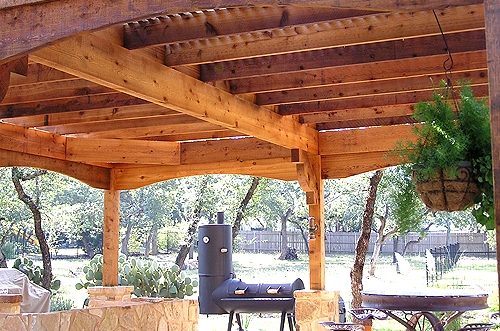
(303, 232)
(147, 246)
(86, 246)
(395, 240)
(188, 241)
(243, 205)
(381, 239)
(37, 217)
(126, 239)
(416, 241)
(3, 258)
(363, 241)
(284, 235)
(154, 240)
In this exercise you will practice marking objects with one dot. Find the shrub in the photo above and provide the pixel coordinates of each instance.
(58, 303)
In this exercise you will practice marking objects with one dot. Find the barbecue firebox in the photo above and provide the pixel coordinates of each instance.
(221, 293)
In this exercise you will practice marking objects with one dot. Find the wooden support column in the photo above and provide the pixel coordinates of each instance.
(492, 24)
(309, 176)
(111, 234)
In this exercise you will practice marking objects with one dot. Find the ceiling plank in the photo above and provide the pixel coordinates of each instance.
(223, 22)
(341, 116)
(52, 90)
(145, 131)
(83, 115)
(122, 151)
(79, 103)
(92, 175)
(359, 73)
(414, 48)
(97, 60)
(340, 91)
(367, 101)
(352, 31)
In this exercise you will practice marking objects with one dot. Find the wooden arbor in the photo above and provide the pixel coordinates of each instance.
(122, 94)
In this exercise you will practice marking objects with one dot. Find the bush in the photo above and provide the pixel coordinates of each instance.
(148, 279)
(58, 303)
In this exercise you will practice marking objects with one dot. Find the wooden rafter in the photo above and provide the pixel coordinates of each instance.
(112, 66)
(352, 31)
(367, 54)
(191, 26)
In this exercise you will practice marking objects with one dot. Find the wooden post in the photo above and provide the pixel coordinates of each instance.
(111, 234)
(317, 245)
(492, 24)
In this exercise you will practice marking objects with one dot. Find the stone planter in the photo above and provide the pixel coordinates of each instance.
(444, 193)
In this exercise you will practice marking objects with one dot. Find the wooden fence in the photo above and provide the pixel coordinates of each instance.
(345, 242)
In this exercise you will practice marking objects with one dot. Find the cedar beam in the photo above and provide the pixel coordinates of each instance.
(317, 228)
(122, 151)
(306, 176)
(492, 23)
(97, 60)
(92, 175)
(111, 235)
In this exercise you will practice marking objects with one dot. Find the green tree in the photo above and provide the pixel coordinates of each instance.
(33, 203)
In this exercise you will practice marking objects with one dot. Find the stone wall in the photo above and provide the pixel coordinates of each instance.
(312, 307)
(138, 315)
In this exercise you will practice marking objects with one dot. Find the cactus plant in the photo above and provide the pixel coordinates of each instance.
(34, 272)
(148, 278)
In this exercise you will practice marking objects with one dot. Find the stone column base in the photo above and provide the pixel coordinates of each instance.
(10, 303)
(103, 296)
(312, 307)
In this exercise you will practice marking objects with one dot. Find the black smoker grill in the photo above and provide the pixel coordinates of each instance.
(221, 293)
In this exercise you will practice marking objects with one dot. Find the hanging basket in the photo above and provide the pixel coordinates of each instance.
(444, 193)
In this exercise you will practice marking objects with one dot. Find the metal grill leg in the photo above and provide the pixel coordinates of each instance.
(291, 322)
(282, 324)
(231, 314)
(238, 320)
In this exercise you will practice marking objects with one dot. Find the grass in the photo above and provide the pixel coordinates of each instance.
(266, 268)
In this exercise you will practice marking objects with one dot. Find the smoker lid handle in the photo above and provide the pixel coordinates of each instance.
(240, 291)
(273, 290)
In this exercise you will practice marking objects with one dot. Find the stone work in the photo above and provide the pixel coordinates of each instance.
(137, 315)
(312, 307)
(101, 296)
(10, 303)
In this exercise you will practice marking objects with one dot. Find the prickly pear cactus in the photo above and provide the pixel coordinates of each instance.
(34, 272)
(148, 278)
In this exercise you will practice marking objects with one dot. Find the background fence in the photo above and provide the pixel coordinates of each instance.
(270, 241)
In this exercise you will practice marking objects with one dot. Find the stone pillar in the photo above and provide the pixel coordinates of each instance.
(10, 303)
(313, 306)
(104, 296)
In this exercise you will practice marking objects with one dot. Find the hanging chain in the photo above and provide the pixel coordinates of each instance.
(447, 66)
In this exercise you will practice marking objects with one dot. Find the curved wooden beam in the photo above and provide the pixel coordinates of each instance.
(97, 177)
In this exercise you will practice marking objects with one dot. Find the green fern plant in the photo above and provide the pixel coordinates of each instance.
(446, 135)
